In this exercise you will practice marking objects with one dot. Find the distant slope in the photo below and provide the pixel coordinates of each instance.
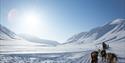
(6, 33)
(12, 43)
(38, 40)
(114, 30)
(9, 41)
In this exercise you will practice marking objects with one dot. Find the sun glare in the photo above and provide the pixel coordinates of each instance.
(30, 22)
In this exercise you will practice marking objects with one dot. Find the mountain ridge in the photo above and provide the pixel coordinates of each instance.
(6, 34)
(38, 40)
(96, 34)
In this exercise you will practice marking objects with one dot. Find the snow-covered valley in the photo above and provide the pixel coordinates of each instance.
(77, 49)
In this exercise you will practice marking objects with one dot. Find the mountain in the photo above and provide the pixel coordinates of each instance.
(38, 40)
(10, 42)
(5, 33)
(114, 30)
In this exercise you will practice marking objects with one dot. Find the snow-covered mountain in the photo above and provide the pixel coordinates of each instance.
(6, 33)
(11, 42)
(114, 30)
(38, 40)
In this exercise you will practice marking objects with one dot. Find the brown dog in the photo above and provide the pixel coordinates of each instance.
(111, 58)
(103, 55)
(94, 57)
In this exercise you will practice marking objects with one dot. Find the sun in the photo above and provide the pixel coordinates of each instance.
(30, 22)
(31, 17)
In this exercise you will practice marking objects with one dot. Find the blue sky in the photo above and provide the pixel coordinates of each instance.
(60, 19)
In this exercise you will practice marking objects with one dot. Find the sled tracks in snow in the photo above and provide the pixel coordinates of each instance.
(121, 59)
(84, 59)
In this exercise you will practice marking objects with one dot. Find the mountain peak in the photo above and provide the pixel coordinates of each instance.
(118, 21)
